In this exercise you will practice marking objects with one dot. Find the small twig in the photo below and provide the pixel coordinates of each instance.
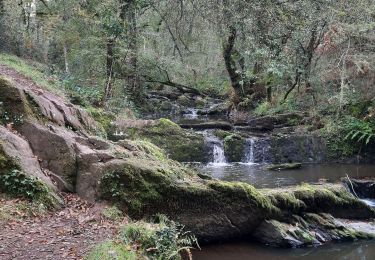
(351, 184)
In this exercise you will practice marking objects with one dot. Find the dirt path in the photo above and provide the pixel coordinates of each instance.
(66, 234)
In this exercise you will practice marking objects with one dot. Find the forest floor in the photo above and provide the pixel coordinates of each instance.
(68, 233)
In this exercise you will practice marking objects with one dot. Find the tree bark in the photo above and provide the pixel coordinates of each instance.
(109, 69)
(132, 82)
(230, 63)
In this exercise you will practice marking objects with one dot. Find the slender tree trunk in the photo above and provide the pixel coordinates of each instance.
(109, 68)
(66, 60)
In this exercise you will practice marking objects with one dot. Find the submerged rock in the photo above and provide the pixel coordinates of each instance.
(284, 166)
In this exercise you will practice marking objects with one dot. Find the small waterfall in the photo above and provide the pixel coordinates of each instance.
(217, 149)
(250, 151)
(192, 113)
(219, 156)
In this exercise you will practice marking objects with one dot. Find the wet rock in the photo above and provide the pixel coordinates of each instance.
(307, 230)
(361, 188)
(234, 147)
(220, 109)
(284, 166)
(208, 125)
(297, 148)
(268, 123)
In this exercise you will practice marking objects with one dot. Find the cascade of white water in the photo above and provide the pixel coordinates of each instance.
(250, 151)
(192, 113)
(218, 154)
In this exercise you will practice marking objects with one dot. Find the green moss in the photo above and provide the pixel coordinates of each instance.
(179, 144)
(104, 118)
(287, 201)
(112, 250)
(234, 145)
(150, 149)
(221, 134)
(112, 213)
(239, 190)
(7, 164)
(15, 106)
(33, 70)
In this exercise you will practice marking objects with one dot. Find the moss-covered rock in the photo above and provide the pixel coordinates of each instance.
(234, 147)
(284, 166)
(104, 118)
(145, 187)
(328, 198)
(180, 145)
(307, 230)
(15, 107)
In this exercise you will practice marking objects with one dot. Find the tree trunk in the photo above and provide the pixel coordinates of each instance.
(230, 64)
(109, 69)
(128, 15)
(66, 61)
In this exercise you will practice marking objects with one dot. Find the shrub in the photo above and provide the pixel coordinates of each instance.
(16, 183)
(163, 239)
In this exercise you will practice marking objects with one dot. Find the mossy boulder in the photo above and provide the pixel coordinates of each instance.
(14, 105)
(328, 198)
(144, 187)
(234, 147)
(180, 145)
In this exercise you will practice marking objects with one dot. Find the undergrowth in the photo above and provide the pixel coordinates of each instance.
(159, 239)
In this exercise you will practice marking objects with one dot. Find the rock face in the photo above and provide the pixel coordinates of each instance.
(20, 154)
(290, 149)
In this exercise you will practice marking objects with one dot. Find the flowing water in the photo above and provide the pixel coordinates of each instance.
(191, 113)
(249, 153)
(216, 146)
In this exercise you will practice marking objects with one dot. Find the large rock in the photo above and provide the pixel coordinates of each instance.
(23, 100)
(268, 123)
(208, 125)
(180, 145)
(16, 152)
